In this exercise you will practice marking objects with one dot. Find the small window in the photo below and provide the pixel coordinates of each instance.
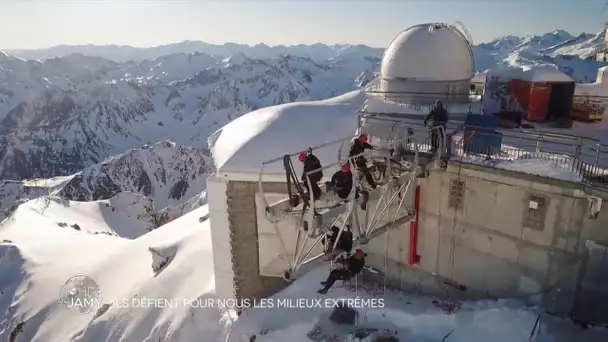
(535, 212)
(456, 196)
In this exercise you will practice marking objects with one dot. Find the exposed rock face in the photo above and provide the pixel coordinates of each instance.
(62, 115)
(172, 177)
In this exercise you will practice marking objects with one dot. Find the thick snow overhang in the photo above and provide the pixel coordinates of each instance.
(240, 147)
(480, 77)
(530, 74)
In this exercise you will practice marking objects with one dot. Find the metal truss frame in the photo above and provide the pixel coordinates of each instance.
(392, 191)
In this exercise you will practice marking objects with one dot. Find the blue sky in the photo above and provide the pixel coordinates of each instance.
(45, 23)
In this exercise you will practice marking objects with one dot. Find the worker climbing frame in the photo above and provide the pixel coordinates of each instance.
(313, 219)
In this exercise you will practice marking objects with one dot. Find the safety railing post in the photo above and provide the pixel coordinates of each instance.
(538, 143)
(597, 155)
(577, 158)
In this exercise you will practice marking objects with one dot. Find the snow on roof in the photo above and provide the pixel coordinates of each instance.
(545, 74)
(479, 77)
(245, 143)
(591, 89)
(429, 51)
(531, 74)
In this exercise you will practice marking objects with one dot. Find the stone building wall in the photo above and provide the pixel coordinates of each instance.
(248, 283)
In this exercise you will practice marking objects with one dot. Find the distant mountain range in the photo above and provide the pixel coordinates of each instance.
(68, 108)
(549, 48)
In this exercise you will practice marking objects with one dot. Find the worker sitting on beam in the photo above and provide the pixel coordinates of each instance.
(354, 265)
(342, 184)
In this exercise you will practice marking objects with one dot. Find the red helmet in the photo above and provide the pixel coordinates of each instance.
(345, 167)
(302, 157)
(363, 138)
(359, 253)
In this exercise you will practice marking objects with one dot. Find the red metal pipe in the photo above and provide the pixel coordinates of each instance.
(413, 257)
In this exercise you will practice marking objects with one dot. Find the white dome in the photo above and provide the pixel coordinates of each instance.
(433, 52)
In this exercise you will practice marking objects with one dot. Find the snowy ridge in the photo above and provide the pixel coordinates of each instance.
(259, 51)
(62, 115)
(169, 181)
(37, 257)
(557, 49)
(66, 113)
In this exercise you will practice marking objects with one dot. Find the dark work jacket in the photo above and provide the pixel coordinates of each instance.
(358, 148)
(346, 239)
(342, 183)
(439, 116)
(355, 265)
(312, 163)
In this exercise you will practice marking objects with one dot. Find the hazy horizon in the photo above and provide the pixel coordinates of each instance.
(41, 24)
(252, 45)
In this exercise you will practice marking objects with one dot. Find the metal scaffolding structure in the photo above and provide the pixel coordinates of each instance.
(395, 165)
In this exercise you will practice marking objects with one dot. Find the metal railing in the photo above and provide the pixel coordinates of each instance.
(586, 158)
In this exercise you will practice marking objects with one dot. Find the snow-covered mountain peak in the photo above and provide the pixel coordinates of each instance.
(166, 172)
(236, 59)
(167, 179)
(5, 56)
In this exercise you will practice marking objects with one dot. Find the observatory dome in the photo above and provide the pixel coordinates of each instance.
(429, 52)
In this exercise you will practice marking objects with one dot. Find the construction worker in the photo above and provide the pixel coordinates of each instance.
(353, 266)
(342, 184)
(345, 243)
(359, 146)
(311, 162)
(439, 116)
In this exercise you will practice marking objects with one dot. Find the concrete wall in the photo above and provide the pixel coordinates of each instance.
(271, 254)
(499, 233)
(241, 252)
(478, 228)
(220, 237)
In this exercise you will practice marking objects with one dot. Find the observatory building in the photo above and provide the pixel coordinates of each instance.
(423, 64)
(436, 223)
(428, 62)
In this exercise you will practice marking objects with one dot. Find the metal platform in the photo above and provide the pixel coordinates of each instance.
(389, 205)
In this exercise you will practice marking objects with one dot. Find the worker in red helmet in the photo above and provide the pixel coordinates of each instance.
(354, 265)
(342, 183)
(359, 146)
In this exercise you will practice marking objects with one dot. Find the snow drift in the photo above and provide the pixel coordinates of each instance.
(38, 256)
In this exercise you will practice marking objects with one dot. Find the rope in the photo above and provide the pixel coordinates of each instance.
(356, 296)
(385, 262)
(453, 239)
(534, 328)
(446, 336)
(357, 286)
